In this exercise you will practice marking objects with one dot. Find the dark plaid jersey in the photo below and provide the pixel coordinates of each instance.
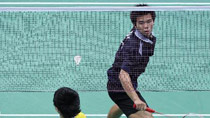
(133, 57)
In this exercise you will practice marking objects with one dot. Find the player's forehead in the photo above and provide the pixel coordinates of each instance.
(144, 17)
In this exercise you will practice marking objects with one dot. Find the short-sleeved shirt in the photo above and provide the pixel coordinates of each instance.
(80, 115)
(133, 57)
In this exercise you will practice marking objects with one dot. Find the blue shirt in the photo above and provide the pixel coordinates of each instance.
(133, 57)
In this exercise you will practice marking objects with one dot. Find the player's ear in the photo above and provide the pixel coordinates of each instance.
(57, 110)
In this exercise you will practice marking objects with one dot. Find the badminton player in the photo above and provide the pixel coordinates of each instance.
(130, 62)
(67, 103)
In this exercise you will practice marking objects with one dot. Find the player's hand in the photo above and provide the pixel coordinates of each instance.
(140, 105)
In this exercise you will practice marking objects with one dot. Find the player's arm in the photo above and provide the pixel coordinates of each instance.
(129, 89)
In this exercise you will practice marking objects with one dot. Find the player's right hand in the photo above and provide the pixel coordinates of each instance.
(140, 105)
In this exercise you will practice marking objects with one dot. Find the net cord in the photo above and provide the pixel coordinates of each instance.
(106, 8)
(102, 3)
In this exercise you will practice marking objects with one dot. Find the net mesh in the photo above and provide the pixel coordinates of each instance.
(38, 48)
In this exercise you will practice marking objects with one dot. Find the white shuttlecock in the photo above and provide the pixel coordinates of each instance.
(77, 59)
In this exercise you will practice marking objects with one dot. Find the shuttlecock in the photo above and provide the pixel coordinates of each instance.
(77, 59)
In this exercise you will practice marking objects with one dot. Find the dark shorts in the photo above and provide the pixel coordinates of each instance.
(124, 102)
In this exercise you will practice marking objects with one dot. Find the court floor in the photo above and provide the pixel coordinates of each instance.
(97, 104)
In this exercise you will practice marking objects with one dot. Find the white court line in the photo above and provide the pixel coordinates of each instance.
(92, 115)
(101, 3)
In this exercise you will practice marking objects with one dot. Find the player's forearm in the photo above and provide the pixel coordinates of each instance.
(127, 85)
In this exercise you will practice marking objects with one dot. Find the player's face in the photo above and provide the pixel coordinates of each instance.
(144, 24)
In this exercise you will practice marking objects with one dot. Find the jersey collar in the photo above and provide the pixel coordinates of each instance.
(142, 37)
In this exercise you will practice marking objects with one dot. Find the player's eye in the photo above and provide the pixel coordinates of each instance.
(149, 21)
(141, 22)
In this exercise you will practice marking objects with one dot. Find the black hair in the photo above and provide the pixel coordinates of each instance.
(67, 102)
(135, 14)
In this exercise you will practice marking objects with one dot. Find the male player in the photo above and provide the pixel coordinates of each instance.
(130, 62)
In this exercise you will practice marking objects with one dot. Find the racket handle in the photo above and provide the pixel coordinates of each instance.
(150, 110)
(147, 109)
